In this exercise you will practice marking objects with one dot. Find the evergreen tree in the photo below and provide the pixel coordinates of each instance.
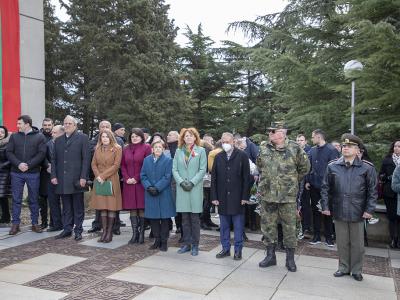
(120, 62)
(54, 90)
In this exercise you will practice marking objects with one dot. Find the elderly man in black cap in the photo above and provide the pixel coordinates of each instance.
(349, 194)
(119, 131)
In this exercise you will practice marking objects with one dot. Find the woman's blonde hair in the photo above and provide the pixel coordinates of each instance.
(110, 135)
(193, 131)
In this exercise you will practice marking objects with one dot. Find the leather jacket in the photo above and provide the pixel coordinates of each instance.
(349, 190)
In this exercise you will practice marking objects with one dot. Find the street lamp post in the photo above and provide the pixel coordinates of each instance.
(351, 70)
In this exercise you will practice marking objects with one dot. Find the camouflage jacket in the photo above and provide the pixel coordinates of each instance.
(281, 171)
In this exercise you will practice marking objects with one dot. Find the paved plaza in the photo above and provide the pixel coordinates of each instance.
(36, 266)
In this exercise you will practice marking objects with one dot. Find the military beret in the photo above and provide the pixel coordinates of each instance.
(351, 139)
(277, 125)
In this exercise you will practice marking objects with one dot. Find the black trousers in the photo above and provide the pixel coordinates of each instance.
(5, 210)
(394, 219)
(160, 229)
(55, 207)
(191, 228)
(317, 216)
(73, 212)
(306, 212)
(206, 214)
(43, 209)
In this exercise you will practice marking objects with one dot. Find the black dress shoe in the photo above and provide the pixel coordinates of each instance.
(204, 226)
(212, 224)
(122, 224)
(339, 273)
(357, 277)
(78, 236)
(63, 234)
(223, 253)
(94, 229)
(238, 255)
(43, 225)
(117, 232)
(51, 229)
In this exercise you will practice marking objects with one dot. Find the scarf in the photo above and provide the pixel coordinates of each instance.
(396, 159)
(5, 141)
(188, 151)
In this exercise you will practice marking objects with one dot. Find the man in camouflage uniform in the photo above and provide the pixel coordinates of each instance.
(282, 164)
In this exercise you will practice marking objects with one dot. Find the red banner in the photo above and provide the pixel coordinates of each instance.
(11, 97)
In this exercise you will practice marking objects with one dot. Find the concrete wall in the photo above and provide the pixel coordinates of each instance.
(32, 59)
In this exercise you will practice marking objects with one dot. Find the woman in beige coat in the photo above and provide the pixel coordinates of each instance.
(105, 165)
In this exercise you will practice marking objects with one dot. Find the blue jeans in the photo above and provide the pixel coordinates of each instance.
(225, 231)
(18, 181)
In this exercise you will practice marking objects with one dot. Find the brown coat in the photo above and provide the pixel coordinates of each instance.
(105, 163)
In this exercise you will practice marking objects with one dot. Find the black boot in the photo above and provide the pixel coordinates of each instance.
(270, 259)
(156, 245)
(155, 228)
(141, 230)
(135, 232)
(110, 223)
(164, 232)
(104, 225)
(290, 264)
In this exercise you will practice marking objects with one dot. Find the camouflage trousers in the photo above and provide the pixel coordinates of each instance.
(274, 213)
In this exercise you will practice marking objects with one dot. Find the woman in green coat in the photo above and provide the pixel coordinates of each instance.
(189, 168)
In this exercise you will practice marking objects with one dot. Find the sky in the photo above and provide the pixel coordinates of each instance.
(214, 15)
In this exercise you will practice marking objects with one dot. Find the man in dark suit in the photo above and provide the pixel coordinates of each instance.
(70, 172)
(230, 191)
(53, 198)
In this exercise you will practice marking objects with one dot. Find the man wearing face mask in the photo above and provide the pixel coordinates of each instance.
(282, 165)
(230, 192)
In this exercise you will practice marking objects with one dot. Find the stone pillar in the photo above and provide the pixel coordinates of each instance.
(32, 60)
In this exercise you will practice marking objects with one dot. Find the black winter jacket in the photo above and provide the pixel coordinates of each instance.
(26, 148)
(385, 175)
(320, 156)
(349, 191)
(5, 166)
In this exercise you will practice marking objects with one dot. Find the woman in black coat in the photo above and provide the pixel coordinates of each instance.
(5, 184)
(389, 163)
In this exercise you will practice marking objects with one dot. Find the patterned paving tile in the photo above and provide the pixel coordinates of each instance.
(375, 265)
(109, 289)
(66, 282)
(80, 250)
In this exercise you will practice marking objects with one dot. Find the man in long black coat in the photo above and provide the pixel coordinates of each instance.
(230, 191)
(47, 127)
(70, 172)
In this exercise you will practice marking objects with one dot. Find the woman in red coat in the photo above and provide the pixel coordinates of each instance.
(133, 191)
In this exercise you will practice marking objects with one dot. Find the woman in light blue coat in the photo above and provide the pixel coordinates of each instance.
(189, 168)
(396, 186)
(156, 175)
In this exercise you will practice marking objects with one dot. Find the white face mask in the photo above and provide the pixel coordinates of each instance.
(227, 147)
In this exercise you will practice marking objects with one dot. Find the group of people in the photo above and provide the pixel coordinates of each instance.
(184, 176)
